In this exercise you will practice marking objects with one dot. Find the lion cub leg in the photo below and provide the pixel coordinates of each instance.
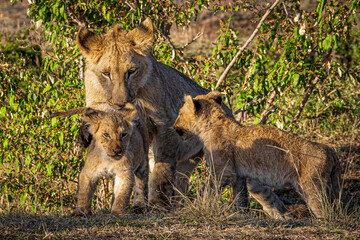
(123, 185)
(87, 185)
(240, 192)
(165, 148)
(313, 193)
(271, 203)
(141, 186)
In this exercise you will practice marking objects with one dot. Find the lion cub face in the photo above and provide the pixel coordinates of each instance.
(111, 131)
(119, 61)
(194, 109)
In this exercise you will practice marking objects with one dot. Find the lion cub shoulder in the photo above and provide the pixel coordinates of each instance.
(267, 156)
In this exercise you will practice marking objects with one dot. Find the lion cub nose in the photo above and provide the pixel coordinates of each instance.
(117, 151)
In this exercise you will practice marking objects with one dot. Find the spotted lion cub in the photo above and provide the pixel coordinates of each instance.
(120, 151)
(267, 156)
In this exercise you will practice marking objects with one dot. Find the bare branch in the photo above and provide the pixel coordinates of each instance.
(192, 40)
(287, 14)
(78, 20)
(247, 105)
(241, 110)
(264, 116)
(311, 88)
(303, 102)
(267, 112)
(225, 73)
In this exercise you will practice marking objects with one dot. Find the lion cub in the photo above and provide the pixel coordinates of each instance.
(119, 150)
(267, 156)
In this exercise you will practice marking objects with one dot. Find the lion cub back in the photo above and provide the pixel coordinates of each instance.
(267, 156)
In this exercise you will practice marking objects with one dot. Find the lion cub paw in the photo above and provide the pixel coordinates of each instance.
(119, 212)
(78, 212)
(139, 208)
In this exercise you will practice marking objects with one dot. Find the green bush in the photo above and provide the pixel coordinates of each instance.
(39, 74)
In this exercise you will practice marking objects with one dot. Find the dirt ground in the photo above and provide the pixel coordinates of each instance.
(104, 226)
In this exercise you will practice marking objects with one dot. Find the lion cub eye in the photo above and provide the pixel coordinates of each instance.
(130, 71)
(123, 135)
(106, 74)
(106, 135)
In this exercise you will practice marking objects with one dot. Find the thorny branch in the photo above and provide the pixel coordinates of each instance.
(225, 73)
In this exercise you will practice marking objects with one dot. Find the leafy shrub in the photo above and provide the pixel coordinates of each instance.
(298, 51)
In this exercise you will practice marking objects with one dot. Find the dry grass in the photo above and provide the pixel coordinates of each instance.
(206, 214)
(170, 226)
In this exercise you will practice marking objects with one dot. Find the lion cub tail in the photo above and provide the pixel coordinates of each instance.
(79, 110)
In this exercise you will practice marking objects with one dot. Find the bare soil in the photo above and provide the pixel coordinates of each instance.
(104, 226)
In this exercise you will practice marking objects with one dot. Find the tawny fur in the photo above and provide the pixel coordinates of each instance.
(267, 156)
(120, 151)
(121, 69)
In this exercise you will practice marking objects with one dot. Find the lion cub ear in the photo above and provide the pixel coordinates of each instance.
(129, 112)
(191, 104)
(92, 116)
(90, 44)
(216, 96)
(142, 37)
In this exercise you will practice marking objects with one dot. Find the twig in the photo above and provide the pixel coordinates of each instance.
(303, 102)
(287, 14)
(266, 112)
(224, 74)
(311, 88)
(263, 118)
(247, 105)
(81, 22)
(192, 40)
(81, 68)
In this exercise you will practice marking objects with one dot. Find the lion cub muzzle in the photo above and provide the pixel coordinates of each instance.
(117, 153)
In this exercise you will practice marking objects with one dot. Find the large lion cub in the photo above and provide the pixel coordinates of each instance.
(267, 156)
(119, 150)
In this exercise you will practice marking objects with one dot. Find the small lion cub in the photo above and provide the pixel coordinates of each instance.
(267, 156)
(119, 150)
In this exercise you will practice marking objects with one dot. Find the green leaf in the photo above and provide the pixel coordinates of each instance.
(62, 10)
(27, 160)
(353, 5)
(61, 138)
(335, 38)
(296, 32)
(6, 144)
(327, 42)
(296, 78)
(48, 87)
(3, 111)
